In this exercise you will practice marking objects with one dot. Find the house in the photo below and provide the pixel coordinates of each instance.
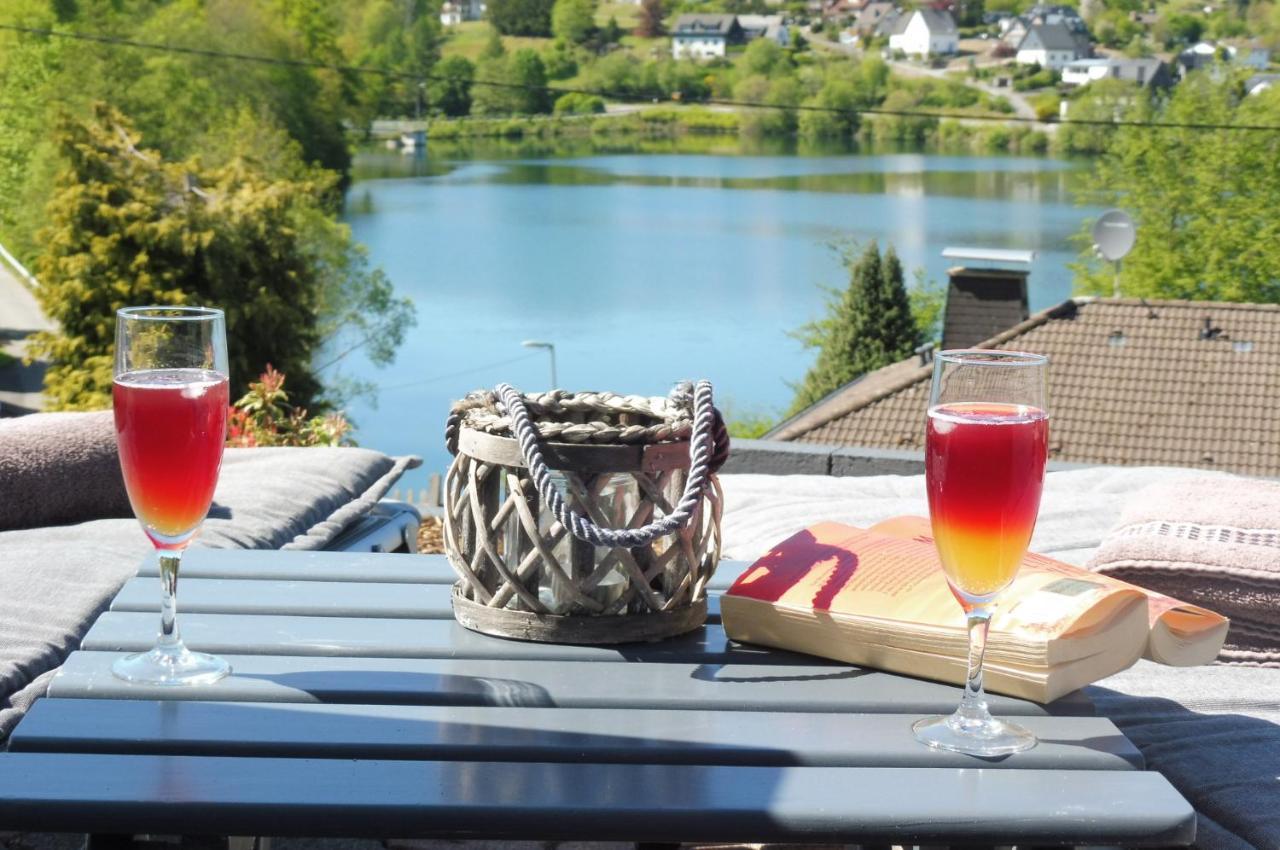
(1042, 14)
(1134, 383)
(1259, 83)
(1148, 72)
(1013, 31)
(1205, 54)
(1051, 46)
(871, 16)
(764, 26)
(926, 32)
(454, 12)
(704, 36)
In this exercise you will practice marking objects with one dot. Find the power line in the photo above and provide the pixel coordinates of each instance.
(462, 373)
(626, 97)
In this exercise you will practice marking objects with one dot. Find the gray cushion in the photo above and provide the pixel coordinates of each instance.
(54, 582)
(57, 468)
(1214, 732)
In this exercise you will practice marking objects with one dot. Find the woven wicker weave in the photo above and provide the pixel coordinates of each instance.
(523, 574)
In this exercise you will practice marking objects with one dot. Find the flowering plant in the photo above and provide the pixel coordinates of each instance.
(264, 417)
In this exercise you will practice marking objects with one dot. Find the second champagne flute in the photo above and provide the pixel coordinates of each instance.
(985, 449)
(171, 394)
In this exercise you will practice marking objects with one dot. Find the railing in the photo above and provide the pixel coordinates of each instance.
(429, 501)
(18, 267)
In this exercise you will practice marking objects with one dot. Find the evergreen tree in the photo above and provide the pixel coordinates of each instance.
(650, 23)
(868, 326)
(450, 92)
(573, 21)
(128, 227)
(521, 17)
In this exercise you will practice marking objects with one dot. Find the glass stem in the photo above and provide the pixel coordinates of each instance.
(973, 706)
(169, 562)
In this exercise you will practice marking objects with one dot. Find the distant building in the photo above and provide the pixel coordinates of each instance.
(454, 12)
(1013, 31)
(1148, 72)
(872, 16)
(926, 32)
(1043, 13)
(1051, 46)
(764, 26)
(1259, 83)
(1133, 383)
(1207, 53)
(704, 36)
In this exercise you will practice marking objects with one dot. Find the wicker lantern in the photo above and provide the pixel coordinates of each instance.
(583, 518)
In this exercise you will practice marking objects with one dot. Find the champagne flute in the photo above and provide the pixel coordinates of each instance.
(985, 451)
(171, 396)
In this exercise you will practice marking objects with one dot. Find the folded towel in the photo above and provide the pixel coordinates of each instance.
(1209, 542)
(58, 468)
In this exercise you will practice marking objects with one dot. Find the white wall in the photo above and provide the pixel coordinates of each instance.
(916, 40)
(697, 48)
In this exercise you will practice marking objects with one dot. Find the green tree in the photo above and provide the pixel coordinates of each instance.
(573, 21)
(521, 17)
(765, 56)
(128, 227)
(560, 61)
(450, 91)
(650, 24)
(529, 74)
(867, 326)
(1204, 201)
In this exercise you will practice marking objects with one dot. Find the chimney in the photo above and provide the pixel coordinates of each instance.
(985, 297)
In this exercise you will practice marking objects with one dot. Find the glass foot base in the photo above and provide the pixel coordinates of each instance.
(975, 736)
(170, 666)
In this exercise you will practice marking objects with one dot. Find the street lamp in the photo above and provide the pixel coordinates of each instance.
(551, 348)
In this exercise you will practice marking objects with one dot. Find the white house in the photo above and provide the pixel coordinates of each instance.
(764, 26)
(454, 12)
(1081, 72)
(704, 36)
(1051, 46)
(1149, 71)
(926, 32)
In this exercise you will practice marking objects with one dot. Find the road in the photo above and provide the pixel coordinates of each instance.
(1021, 108)
(20, 315)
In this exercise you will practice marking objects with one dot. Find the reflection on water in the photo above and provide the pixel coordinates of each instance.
(648, 267)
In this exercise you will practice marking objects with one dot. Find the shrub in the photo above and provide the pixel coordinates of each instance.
(577, 103)
(263, 417)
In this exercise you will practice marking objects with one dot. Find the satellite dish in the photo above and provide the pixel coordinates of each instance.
(1113, 235)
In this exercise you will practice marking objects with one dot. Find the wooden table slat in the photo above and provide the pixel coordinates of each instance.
(808, 688)
(308, 598)
(258, 796)
(506, 733)
(246, 634)
(272, 565)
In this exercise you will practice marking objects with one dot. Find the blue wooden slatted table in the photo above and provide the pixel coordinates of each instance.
(358, 708)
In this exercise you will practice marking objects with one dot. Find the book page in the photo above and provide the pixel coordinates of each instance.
(837, 568)
(1185, 620)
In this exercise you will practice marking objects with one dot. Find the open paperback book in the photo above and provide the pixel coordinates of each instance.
(878, 598)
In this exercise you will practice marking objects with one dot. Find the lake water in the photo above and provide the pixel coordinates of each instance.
(643, 269)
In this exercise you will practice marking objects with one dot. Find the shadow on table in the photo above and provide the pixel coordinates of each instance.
(1226, 765)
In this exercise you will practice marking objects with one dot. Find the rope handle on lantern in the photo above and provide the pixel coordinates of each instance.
(708, 446)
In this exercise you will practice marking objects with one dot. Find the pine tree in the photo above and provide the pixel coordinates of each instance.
(649, 24)
(868, 326)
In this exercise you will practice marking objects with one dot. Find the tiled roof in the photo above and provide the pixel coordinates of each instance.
(704, 24)
(1130, 383)
(1049, 37)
